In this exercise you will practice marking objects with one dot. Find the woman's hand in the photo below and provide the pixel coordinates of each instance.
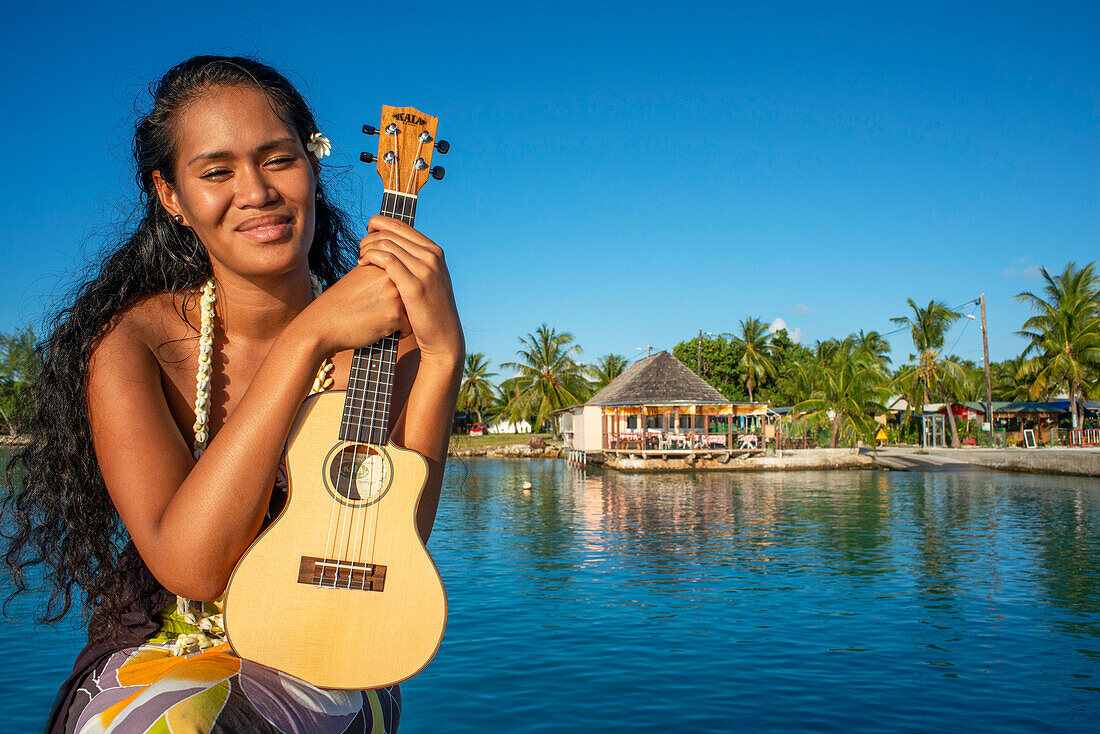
(416, 267)
(355, 311)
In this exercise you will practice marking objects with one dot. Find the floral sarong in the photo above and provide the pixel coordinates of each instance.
(150, 689)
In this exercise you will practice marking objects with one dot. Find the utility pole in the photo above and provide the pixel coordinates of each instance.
(988, 385)
(699, 356)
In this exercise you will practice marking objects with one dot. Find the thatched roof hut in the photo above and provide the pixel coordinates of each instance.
(658, 380)
(656, 404)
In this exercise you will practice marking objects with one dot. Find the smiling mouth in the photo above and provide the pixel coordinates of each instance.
(266, 229)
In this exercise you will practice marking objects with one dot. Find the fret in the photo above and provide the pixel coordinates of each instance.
(370, 387)
(399, 206)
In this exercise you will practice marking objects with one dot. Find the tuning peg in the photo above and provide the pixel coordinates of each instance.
(438, 172)
(367, 157)
(443, 146)
(370, 130)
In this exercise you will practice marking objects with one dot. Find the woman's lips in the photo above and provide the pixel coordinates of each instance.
(267, 230)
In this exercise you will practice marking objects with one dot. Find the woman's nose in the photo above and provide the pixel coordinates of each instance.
(253, 188)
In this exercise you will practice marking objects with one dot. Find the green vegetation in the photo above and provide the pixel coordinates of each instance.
(849, 386)
(1064, 334)
(20, 363)
(548, 377)
(928, 328)
(476, 394)
(606, 369)
(754, 345)
(461, 441)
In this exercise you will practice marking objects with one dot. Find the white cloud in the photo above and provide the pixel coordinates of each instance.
(780, 323)
(1030, 272)
(802, 308)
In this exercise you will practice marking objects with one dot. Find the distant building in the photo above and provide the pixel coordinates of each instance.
(658, 404)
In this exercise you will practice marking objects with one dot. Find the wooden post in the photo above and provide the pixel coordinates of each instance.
(699, 356)
(988, 387)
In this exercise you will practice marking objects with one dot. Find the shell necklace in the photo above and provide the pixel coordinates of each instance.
(206, 348)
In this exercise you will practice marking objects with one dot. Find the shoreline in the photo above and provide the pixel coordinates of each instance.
(1084, 461)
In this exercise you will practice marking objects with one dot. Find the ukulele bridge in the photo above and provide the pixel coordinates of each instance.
(335, 574)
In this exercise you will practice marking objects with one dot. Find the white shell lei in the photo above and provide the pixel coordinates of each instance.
(212, 625)
(206, 349)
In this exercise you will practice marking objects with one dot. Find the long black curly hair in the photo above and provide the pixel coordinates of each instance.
(58, 515)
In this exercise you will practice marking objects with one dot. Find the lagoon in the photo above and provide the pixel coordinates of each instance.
(832, 601)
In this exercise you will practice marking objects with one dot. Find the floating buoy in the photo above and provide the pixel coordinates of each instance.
(527, 485)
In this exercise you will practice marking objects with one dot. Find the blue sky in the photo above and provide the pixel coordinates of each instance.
(630, 173)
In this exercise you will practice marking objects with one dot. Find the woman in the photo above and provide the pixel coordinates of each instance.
(142, 493)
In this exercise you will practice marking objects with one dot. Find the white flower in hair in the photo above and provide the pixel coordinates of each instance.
(319, 145)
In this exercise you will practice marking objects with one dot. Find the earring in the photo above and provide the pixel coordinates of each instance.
(318, 196)
(178, 218)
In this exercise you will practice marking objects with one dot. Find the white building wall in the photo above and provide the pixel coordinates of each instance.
(578, 429)
(509, 427)
(593, 428)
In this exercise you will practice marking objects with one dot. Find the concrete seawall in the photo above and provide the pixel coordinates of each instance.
(1078, 461)
(798, 460)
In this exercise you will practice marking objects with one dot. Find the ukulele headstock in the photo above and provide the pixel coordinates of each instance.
(406, 142)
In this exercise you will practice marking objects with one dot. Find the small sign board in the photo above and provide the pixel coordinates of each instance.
(1029, 438)
(986, 426)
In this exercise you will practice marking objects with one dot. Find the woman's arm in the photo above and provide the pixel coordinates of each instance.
(191, 520)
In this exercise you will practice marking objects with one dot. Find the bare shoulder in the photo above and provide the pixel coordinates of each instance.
(153, 329)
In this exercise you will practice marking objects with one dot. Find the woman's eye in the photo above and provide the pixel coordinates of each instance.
(215, 173)
(280, 159)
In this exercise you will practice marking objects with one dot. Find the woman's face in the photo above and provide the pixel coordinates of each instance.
(244, 183)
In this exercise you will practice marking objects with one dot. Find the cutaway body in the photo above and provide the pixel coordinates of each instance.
(339, 590)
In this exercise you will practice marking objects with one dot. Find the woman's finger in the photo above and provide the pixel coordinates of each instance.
(381, 224)
(423, 265)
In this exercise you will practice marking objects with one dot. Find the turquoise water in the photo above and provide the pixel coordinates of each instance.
(832, 601)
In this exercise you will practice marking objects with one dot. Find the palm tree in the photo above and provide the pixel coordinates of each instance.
(928, 327)
(873, 346)
(548, 376)
(606, 369)
(1064, 334)
(476, 392)
(850, 391)
(1009, 381)
(754, 346)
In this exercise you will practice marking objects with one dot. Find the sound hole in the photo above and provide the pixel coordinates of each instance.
(358, 474)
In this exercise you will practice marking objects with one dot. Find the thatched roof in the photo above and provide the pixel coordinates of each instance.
(656, 380)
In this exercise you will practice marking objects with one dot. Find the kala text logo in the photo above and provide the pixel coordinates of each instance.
(409, 118)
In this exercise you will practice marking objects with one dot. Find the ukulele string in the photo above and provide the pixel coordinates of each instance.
(365, 553)
(370, 468)
(372, 512)
(349, 467)
(394, 174)
(375, 361)
(388, 347)
(412, 170)
(367, 464)
(388, 352)
(330, 548)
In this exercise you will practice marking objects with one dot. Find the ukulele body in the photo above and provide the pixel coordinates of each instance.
(339, 590)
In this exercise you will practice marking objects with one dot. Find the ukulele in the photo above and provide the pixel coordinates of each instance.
(339, 590)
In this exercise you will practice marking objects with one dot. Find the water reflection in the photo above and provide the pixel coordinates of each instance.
(939, 540)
